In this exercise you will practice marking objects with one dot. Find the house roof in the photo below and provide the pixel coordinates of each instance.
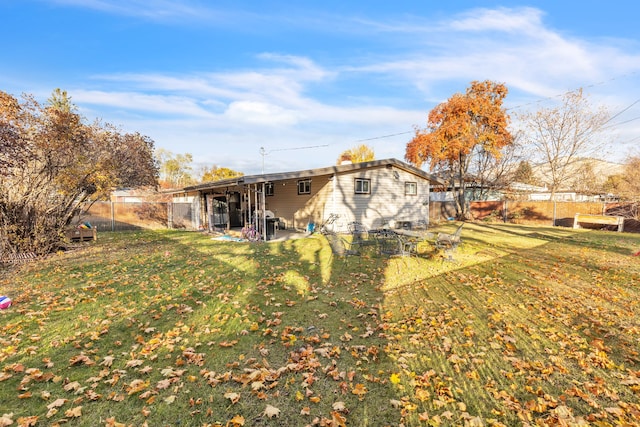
(281, 176)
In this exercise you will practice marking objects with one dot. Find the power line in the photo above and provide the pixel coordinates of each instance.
(573, 90)
(383, 136)
(297, 148)
(264, 152)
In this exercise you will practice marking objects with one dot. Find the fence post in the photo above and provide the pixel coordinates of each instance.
(505, 212)
(170, 215)
(113, 216)
(554, 213)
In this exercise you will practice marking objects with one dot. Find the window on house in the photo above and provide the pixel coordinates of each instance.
(304, 186)
(268, 189)
(410, 188)
(362, 186)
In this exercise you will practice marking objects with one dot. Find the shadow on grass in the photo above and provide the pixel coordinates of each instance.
(201, 331)
(186, 322)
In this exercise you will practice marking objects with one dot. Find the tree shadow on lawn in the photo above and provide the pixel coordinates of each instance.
(518, 338)
(183, 329)
(203, 331)
(614, 242)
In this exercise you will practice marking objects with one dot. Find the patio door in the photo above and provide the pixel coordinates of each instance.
(217, 211)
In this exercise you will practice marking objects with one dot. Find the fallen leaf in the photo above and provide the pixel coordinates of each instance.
(338, 420)
(271, 411)
(233, 397)
(74, 412)
(6, 420)
(359, 390)
(107, 361)
(81, 359)
(238, 420)
(133, 363)
(28, 421)
(338, 406)
(56, 403)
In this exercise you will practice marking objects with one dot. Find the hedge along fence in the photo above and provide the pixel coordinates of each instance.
(551, 213)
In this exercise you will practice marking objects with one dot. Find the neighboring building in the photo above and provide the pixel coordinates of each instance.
(128, 195)
(373, 193)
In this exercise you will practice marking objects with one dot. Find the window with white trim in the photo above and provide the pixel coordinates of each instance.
(362, 186)
(304, 186)
(410, 188)
(268, 189)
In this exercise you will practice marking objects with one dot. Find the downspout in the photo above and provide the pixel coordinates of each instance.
(334, 185)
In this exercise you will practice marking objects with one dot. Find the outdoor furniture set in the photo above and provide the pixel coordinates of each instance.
(389, 242)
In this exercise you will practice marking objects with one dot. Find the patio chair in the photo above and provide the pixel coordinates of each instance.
(360, 234)
(341, 247)
(449, 242)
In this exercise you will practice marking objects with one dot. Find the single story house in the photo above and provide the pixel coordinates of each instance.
(374, 193)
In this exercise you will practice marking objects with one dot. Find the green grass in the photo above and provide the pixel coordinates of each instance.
(529, 325)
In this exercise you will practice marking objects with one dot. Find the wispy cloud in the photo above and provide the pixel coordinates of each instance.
(138, 101)
(282, 97)
(157, 10)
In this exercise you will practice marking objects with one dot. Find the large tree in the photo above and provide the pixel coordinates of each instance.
(175, 169)
(466, 126)
(627, 184)
(53, 163)
(358, 154)
(216, 173)
(559, 136)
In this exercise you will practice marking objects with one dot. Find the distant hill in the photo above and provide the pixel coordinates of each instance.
(584, 173)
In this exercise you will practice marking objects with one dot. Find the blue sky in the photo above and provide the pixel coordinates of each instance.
(307, 80)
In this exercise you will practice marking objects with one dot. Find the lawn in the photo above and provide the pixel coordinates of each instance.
(529, 326)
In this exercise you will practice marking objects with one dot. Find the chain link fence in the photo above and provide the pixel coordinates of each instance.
(118, 216)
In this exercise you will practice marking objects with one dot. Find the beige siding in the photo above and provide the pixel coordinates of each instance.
(331, 194)
(297, 210)
(386, 203)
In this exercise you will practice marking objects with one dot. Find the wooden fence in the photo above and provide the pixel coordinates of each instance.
(540, 212)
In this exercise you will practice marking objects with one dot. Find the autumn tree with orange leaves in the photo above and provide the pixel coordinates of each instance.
(458, 130)
(52, 162)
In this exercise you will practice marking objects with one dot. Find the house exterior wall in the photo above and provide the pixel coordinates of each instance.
(334, 193)
(386, 202)
(297, 210)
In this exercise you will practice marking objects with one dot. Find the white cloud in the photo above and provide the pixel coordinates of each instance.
(136, 101)
(159, 10)
(519, 20)
(281, 99)
(260, 113)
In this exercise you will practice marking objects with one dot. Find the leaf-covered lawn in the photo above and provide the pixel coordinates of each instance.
(537, 326)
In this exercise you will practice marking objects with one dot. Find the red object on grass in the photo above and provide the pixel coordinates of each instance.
(637, 253)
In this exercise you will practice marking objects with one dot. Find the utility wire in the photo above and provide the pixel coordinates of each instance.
(263, 152)
(383, 136)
